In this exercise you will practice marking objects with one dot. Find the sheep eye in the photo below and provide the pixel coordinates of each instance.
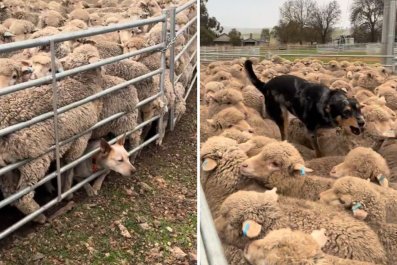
(50, 70)
(276, 164)
(120, 160)
(230, 126)
(14, 77)
(228, 103)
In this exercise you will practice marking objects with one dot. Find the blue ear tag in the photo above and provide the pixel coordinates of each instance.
(302, 171)
(356, 206)
(245, 229)
(381, 178)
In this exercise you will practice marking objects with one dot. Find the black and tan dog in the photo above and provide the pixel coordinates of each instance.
(315, 105)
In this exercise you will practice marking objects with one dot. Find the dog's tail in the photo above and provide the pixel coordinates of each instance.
(252, 76)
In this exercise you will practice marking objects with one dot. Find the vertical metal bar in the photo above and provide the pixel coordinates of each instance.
(172, 62)
(163, 68)
(55, 107)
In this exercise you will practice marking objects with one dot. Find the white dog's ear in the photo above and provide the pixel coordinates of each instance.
(105, 147)
(121, 140)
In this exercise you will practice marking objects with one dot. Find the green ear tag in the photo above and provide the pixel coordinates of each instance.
(356, 206)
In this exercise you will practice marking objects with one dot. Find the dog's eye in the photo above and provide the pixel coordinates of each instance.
(346, 113)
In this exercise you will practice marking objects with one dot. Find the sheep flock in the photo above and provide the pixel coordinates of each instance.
(275, 202)
(26, 20)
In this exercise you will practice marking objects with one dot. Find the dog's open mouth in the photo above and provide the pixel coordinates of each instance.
(355, 130)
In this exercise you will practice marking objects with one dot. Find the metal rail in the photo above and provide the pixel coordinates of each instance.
(168, 17)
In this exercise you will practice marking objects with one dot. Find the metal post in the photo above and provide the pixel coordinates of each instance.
(172, 62)
(56, 128)
(163, 68)
(388, 30)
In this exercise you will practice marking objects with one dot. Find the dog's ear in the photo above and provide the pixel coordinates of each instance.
(121, 140)
(105, 147)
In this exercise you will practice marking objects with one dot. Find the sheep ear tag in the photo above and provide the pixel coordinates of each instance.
(208, 164)
(389, 133)
(358, 212)
(382, 180)
(302, 169)
(251, 229)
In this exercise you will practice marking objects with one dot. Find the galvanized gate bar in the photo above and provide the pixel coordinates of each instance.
(172, 62)
(181, 30)
(212, 244)
(55, 111)
(77, 34)
(184, 6)
(185, 47)
(191, 86)
(79, 69)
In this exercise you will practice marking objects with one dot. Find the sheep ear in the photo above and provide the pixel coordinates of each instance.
(211, 122)
(251, 229)
(302, 169)
(360, 214)
(320, 237)
(209, 164)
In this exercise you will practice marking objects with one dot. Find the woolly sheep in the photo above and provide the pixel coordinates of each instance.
(322, 166)
(255, 214)
(255, 144)
(254, 99)
(284, 246)
(51, 18)
(226, 98)
(220, 174)
(390, 95)
(225, 119)
(238, 136)
(363, 163)
(388, 151)
(365, 201)
(12, 72)
(279, 166)
(80, 14)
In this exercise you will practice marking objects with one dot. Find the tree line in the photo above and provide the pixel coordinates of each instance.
(307, 21)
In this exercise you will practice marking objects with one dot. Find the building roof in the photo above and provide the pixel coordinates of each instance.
(222, 38)
(250, 40)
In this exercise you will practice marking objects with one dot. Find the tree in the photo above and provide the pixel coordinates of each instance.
(235, 37)
(265, 34)
(324, 18)
(367, 15)
(285, 32)
(300, 13)
(209, 26)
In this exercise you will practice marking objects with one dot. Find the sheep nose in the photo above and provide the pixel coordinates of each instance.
(244, 165)
(251, 131)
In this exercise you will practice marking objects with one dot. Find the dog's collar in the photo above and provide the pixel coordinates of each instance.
(94, 165)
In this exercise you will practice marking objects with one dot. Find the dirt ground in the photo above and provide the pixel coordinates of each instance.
(148, 219)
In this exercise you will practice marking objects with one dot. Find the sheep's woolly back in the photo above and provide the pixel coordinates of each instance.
(255, 145)
(47, 31)
(284, 246)
(236, 135)
(82, 55)
(347, 236)
(228, 116)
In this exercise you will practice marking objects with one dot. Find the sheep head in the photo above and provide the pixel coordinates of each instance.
(358, 196)
(277, 157)
(244, 210)
(12, 73)
(363, 163)
(226, 98)
(41, 65)
(227, 119)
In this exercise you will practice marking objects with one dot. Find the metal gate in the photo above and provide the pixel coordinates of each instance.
(167, 43)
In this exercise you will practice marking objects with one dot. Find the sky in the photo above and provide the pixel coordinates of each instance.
(260, 13)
